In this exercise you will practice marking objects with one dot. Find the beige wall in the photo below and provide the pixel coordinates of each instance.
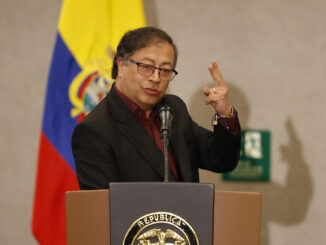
(272, 54)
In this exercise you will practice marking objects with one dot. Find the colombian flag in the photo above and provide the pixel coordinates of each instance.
(88, 33)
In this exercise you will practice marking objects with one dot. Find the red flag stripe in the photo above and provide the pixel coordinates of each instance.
(54, 178)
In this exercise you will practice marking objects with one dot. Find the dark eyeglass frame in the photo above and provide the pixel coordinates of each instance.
(173, 72)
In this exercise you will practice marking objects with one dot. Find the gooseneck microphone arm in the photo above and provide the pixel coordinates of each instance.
(166, 116)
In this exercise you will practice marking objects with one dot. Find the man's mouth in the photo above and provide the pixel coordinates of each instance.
(151, 91)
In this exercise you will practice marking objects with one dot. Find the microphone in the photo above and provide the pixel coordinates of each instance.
(166, 116)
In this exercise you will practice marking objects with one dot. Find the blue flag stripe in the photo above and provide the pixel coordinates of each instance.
(58, 125)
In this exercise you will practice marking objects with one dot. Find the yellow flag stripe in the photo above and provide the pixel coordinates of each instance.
(91, 28)
(128, 17)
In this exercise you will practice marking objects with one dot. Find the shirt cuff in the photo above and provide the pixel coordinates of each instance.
(230, 123)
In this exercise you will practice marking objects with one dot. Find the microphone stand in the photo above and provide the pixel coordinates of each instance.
(165, 140)
(166, 117)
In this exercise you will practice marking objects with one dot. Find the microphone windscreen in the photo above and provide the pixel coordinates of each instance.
(166, 116)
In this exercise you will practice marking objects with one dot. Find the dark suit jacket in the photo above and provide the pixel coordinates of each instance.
(111, 145)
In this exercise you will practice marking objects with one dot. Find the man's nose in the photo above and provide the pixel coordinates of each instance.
(155, 77)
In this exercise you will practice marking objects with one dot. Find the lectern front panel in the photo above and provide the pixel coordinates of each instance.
(161, 213)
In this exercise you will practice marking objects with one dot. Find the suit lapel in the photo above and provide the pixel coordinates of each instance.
(135, 132)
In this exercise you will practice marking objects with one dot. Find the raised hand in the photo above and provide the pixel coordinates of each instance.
(218, 95)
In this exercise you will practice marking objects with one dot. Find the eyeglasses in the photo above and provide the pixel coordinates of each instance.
(148, 70)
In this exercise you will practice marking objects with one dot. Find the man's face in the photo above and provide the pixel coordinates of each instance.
(145, 91)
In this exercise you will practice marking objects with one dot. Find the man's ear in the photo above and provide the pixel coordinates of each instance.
(120, 63)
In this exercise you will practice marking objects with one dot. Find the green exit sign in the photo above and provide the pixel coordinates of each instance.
(254, 162)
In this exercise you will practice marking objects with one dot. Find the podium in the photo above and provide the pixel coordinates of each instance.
(236, 216)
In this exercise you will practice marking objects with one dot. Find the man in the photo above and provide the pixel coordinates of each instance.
(120, 141)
